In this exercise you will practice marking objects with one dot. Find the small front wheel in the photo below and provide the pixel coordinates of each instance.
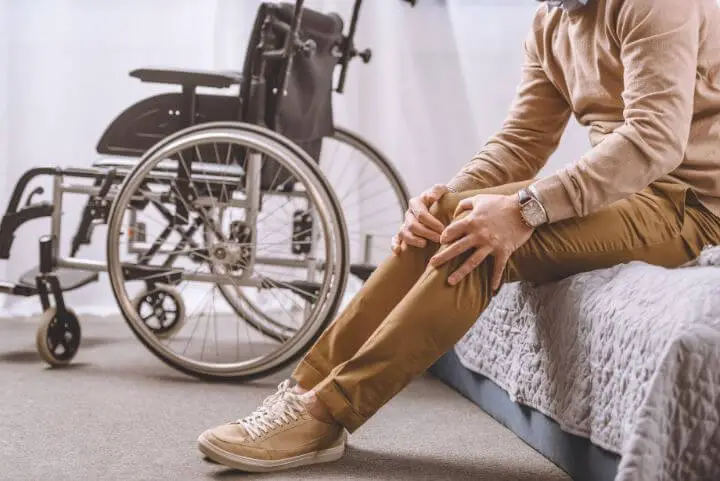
(58, 337)
(161, 309)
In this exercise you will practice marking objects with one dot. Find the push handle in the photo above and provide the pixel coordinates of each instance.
(348, 51)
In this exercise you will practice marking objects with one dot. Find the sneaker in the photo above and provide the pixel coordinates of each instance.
(279, 435)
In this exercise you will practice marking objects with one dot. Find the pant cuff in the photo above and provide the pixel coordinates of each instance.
(338, 404)
(307, 375)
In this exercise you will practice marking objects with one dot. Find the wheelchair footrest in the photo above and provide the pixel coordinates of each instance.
(362, 271)
(69, 279)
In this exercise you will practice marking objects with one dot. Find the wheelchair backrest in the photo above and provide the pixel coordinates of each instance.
(304, 113)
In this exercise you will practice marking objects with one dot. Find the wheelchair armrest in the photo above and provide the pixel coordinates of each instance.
(191, 78)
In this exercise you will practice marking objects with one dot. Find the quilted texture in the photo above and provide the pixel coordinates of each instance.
(628, 357)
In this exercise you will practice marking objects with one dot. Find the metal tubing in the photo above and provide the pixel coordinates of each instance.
(96, 266)
(348, 50)
(6, 287)
(210, 202)
(82, 264)
(291, 45)
(277, 261)
(253, 167)
(56, 219)
(47, 247)
(367, 248)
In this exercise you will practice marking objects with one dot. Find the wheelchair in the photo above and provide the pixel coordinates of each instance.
(233, 220)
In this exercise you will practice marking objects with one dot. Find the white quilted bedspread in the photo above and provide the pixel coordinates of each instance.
(628, 357)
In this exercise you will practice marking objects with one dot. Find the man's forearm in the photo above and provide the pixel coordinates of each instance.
(493, 166)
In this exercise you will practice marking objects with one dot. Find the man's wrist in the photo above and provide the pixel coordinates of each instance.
(534, 192)
(555, 198)
(532, 211)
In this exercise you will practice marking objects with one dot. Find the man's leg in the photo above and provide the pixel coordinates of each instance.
(408, 336)
(408, 316)
(387, 286)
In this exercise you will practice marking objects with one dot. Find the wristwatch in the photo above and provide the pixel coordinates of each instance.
(531, 209)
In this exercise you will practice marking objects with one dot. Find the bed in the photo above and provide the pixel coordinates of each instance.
(611, 374)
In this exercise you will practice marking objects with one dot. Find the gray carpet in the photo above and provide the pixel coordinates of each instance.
(118, 413)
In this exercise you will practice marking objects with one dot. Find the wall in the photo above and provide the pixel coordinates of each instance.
(442, 77)
(67, 79)
(4, 121)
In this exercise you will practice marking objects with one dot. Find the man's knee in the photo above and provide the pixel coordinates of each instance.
(444, 209)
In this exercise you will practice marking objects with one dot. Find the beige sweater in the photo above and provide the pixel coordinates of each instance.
(643, 75)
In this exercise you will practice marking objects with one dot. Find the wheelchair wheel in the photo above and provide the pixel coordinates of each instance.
(228, 248)
(373, 198)
(372, 195)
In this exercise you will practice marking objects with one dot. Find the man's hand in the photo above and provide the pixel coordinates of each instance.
(493, 226)
(419, 225)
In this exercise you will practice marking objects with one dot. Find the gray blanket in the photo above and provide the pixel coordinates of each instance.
(628, 357)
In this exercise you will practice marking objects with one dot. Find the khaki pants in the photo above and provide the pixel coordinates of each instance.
(406, 315)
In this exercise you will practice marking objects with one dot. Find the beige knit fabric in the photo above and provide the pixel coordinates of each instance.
(643, 75)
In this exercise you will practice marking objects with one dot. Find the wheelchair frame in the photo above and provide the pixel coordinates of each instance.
(56, 273)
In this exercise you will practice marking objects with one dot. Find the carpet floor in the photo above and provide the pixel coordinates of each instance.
(118, 413)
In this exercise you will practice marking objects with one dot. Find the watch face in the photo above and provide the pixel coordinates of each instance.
(533, 213)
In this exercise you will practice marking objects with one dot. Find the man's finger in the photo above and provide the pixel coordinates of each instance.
(465, 204)
(395, 244)
(455, 230)
(452, 251)
(469, 265)
(413, 240)
(500, 263)
(420, 230)
(428, 220)
(435, 193)
(422, 214)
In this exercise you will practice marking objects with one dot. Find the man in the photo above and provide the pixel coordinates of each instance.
(644, 76)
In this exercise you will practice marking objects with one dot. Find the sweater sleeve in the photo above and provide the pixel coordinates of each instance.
(529, 135)
(659, 42)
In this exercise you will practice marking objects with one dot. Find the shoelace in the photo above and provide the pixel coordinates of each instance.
(286, 408)
(283, 388)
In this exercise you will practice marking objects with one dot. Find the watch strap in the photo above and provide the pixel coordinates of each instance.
(524, 196)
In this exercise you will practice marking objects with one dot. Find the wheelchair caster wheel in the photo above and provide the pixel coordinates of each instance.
(161, 309)
(58, 337)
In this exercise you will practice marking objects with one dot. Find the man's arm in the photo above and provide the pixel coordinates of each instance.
(659, 48)
(530, 134)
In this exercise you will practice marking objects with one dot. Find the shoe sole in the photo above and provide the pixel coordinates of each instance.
(252, 465)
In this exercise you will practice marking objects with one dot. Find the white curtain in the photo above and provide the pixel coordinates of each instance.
(440, 81)
(4, 77)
